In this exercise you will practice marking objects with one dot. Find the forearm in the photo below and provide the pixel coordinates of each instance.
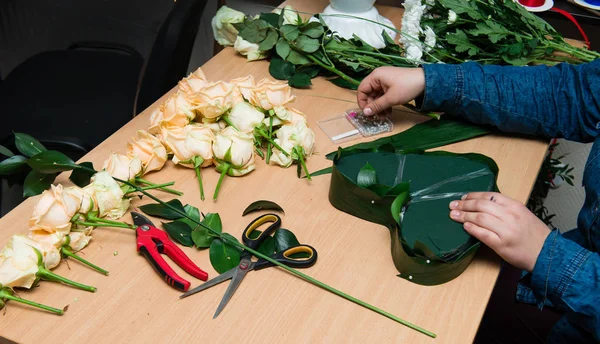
(560, 101)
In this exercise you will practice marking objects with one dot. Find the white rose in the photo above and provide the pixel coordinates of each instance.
(290, 15)
(123, 167)
(223, 30)
(20, 263)
(290, 136)
(54, 210)
(271, 95)
(250, 50)
(79, 240)
(216, 127)
(235, 148)
(108, 195)
(245, 117)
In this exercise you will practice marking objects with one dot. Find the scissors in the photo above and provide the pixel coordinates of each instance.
(151, 242)
(238, 273)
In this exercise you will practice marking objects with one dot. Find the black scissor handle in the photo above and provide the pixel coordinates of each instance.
(287, 258)
(275, 221)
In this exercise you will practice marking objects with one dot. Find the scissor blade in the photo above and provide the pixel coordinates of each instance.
(213, 282)
(237, 278)
(140, 220)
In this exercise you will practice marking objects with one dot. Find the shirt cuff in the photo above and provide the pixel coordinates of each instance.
(444, 88)
(555, 267)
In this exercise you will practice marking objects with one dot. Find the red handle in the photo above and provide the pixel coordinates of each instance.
(161, 266)
(183, 260)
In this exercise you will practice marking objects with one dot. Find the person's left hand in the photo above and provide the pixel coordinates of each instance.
(505, 225)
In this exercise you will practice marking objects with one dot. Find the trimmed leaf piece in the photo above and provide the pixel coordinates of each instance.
(27, 145)
(12, 165)
(285, 239)
(180, 232)
(280, 69)
(163, 211)
(267, 247)
(5, 151)
(300, 80)
(367, 176)
(51, 162)
(224, 256)
(35, 183)
(81, 176)
(262, 205)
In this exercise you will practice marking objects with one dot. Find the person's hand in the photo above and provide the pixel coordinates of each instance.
(503, 224)
(389, 86)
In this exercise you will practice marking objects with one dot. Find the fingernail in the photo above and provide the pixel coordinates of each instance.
(463, 197)
(368, 112)
(453, 204)
(454, 213)
(467, 225)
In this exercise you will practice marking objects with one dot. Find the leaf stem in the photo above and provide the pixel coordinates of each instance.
(4, 295)
(47, 275)
(69, 253)
(199, 176)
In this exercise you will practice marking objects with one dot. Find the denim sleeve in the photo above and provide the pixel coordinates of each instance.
(559, 101)
(568, 275)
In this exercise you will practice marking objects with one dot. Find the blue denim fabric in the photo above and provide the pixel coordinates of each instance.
(560, 101)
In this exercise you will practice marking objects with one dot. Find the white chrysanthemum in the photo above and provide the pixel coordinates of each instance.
(430, 39)
(451, 17)
(411, 29)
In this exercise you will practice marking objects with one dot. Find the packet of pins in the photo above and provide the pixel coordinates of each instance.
(354, 124)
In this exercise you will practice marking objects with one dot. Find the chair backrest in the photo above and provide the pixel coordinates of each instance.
(170, 55)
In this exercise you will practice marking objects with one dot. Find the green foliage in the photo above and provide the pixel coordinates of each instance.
(307, 44)
(262, 205)
(180, 232)
(35, 183)
(163, 211)
(81, 176)
(280, 69)
(300, 80)
(367, 176)
(27, 145)
(223, 255)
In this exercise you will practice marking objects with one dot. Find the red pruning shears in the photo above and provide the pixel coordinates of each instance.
(152, 242)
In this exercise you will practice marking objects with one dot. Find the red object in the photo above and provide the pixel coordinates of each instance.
(532, 3)
(574, 21)
(151, 242)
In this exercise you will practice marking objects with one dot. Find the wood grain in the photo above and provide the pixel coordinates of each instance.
(134, 305)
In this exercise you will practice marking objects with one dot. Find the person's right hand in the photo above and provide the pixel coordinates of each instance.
(389, 86)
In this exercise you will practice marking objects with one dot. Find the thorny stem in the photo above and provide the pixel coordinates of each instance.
(199, 176)
(223, 173)
(47, 275)
(69, 253)
(6, 295)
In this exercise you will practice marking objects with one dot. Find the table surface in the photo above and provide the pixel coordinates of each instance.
(133, 304)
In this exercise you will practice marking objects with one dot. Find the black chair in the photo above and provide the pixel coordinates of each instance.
(77, 97)
(73, 99)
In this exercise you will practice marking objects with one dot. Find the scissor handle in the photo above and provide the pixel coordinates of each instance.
(286, 258)
(275, 221)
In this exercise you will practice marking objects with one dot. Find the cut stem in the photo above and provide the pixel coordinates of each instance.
(4, 295)
(269, 148)
(266, 136)
(47, 275)
(223, 173)
(66, 251)
(301, 160)
(169, 190)
(104, 224)
(199, 176)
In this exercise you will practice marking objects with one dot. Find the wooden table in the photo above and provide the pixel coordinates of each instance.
(133, 304)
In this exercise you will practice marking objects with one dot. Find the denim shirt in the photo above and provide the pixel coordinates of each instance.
(560, 101)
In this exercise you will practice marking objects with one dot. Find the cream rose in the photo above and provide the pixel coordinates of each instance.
(18, 265)
(123, 167)
(235, 149)
(149, 150)
(290, 15)
(245, 117)
(290, 136)
(215, 99)
(176, 111)
(191, 141)
(79, 240)
(54, 239)
(271, 95)
(250, 50)
(223, 30)
(20, 250)
(54, 210)
(108, 195)
(216, 127)
(245, 86)
(193, 82)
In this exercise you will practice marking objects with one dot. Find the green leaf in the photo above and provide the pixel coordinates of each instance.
(492, 29)
(224, 256)
(389, 42)
(180, 232)
(313, 30)
(213, 221)
(163, 211)
(81, 176)
(282, 48)
(367, 176)
(35, 183)
(515, 49)
(310, 71)
(280, 69)
(461, 41)
(5, 151)
(297, 58)
(285, 239)
(262, 205)
(290, 32)
(343, 83)
(194, 213)
(27, 145)
(426, 135)
(300, 80)
(271, 18)
(326, 170)
(461, 7)
(255, 31)
(269, 42)
(307, 44)
(51, 162)
(201, 236)
(11, 165)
